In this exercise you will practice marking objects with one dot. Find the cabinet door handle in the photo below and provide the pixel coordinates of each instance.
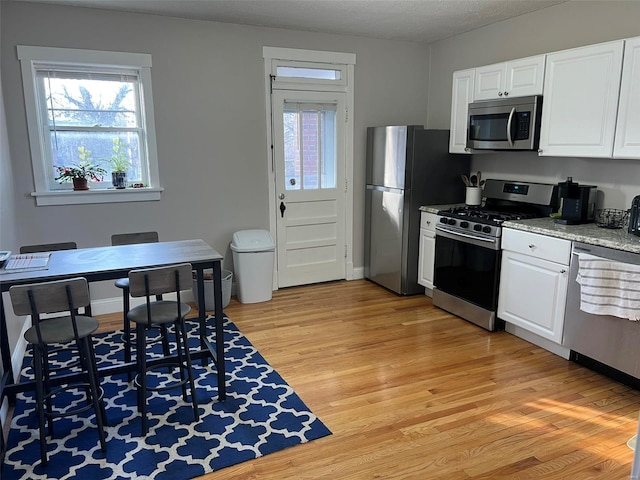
(428, 222)
(563, 271)
(499, 94)
(506, 94)
(532, 246)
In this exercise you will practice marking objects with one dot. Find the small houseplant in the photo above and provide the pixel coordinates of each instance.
(80, 172)
(119, 164)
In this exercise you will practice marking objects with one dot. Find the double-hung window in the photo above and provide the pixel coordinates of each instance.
(90, 109)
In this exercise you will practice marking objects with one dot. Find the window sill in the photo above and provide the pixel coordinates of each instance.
(71, 197)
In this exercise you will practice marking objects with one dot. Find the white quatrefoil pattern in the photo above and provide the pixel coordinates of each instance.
(261, 415)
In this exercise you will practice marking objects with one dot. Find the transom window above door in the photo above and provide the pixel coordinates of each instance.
(306, 73)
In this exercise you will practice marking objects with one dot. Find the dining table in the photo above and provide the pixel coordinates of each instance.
(110, 263)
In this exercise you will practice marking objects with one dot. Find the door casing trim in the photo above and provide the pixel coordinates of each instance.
(271, 54)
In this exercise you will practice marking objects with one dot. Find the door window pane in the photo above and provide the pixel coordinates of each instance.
(309, 146)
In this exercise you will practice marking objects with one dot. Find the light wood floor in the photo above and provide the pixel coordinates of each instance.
(411, 392)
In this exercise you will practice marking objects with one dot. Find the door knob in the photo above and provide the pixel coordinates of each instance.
(281, 196)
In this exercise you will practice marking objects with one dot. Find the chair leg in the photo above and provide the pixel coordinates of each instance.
(46, 373)
(89, 361)
(142, 375)
(127, 328)
(181, 359)
(187, 355)
(164, 335)
(40, 402)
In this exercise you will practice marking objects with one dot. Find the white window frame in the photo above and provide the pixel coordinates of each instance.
(30, 58)
(345, 62)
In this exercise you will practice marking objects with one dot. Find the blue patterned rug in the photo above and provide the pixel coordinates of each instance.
(261, 415)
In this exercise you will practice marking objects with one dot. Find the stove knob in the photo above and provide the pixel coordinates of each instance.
(451, 221)
(486, 229)
(464, 224)
(443, 220)
(477, 227)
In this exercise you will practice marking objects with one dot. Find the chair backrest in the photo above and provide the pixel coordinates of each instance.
(48, 247)
(160, 280)
(50, 297)
(132, 238)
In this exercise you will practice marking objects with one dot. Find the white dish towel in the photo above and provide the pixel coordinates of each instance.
(608, 287)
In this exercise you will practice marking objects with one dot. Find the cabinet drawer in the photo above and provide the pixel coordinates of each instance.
(540, 246)
(428, 221)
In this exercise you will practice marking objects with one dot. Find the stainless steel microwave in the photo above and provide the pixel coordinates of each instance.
(505, 124)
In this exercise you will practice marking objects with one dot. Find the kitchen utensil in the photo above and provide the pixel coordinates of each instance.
(473, 180)
(479, 175)
(481, 184)
(465, 180)
(611, 218)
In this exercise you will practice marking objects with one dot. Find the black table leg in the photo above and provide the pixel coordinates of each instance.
(219, 326)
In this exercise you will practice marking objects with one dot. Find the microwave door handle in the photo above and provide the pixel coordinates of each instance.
(511, 114)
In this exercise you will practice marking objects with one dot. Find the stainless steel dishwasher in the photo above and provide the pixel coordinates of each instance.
(609, 340)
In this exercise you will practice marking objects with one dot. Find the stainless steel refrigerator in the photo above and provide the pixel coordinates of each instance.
(407, 167)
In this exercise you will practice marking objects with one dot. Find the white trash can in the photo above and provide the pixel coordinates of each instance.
(253, 256)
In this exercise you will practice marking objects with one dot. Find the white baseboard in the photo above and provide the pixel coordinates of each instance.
(357, 274)
(113, 305)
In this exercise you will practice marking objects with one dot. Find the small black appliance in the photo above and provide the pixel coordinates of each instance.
(577, 202)
(634, 216)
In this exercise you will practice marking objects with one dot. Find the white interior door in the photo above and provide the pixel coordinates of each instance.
(309, 137)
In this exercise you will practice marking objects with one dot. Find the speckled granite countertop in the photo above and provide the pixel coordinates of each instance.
(437, 208)
(586, 233)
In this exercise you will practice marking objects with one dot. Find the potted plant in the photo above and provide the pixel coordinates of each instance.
(119, 164)
(80, 172)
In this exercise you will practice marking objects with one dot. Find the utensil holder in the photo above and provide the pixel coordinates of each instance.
(474, 196)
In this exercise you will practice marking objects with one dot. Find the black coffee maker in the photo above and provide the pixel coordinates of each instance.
(634, 216)
(577, 202)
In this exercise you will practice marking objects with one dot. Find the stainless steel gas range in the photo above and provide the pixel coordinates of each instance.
(468, 247)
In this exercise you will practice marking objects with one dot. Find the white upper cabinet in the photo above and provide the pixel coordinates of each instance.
(516, 78)
(461, 96)
(627, 140)
(579, 109)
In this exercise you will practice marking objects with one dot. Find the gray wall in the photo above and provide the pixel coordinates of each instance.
(8, 221)
(210, 118)
(572, 24)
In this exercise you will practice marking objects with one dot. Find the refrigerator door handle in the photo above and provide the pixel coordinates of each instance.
(384, 189)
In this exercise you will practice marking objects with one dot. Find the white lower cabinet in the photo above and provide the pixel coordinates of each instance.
(426, 255)
(533, 283)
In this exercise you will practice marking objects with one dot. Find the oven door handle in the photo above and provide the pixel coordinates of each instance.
(480, 241)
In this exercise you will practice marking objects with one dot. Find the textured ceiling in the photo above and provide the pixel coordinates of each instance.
(411, 20)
